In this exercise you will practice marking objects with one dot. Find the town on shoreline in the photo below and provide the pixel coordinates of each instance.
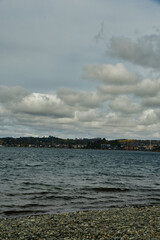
(81, 143)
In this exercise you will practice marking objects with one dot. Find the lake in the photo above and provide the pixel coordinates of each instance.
(41, 180)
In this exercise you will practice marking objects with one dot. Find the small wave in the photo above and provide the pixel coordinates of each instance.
(28, 183)
(25, 206)
(52, 197)
(149, 190)
(105, 202)
(155, 199)
(34, 205)
(33, 165)
(130, 176)
(87, 197)
(28, 193)
(22, 212)
(157, 184)
(39, 184)
(108, 189)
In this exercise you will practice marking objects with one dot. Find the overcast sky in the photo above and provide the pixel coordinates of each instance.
(80, 68)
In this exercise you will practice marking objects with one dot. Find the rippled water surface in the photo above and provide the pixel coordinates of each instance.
(38, 181)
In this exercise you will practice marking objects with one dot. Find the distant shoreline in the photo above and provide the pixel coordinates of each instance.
(85, 143)
(129, 150)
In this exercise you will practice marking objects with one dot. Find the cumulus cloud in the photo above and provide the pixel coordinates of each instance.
(143, 52)
(9, 94)
(149, 117)
(42, 104)
(125, 105)
(89, 116)
(80, 98)
(152, 101)
(110, 74)
(36, 56)
(111, 90)
(148, 87)
(122, 110)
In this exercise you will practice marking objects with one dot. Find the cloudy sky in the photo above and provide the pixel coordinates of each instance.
(80, 68)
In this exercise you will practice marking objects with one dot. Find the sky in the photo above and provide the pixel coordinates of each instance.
(80, 68)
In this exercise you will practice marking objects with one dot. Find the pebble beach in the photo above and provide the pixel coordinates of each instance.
(115, 223)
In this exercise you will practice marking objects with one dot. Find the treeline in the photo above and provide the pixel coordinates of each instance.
(85, 143)
(95, 143)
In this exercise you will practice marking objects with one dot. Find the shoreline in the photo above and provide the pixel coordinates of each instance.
(96, 149)
(135, 222)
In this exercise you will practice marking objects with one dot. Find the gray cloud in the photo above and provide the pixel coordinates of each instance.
(42, 104)
(111, 90)
(148, 88)
(125, 105)
(110, 106)
(90, 116)
(149, 117)
(44, 46)
(144, 51)
(152, 101)
(112, 74)
(9, 94)
(80, 98)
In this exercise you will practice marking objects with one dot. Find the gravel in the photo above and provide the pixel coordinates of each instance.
(116, 223)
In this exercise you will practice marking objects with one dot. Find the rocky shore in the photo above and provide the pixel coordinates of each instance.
(116, 223)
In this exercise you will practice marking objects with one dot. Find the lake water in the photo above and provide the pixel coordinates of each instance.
(40, 181)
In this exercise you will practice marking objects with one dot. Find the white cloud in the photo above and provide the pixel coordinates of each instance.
(80, 98)
(89, 116)
(148, 87)
(125, 105)
(42, 104)
(44, 46)
(149, 117)
(110, 74)
(110, 110)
